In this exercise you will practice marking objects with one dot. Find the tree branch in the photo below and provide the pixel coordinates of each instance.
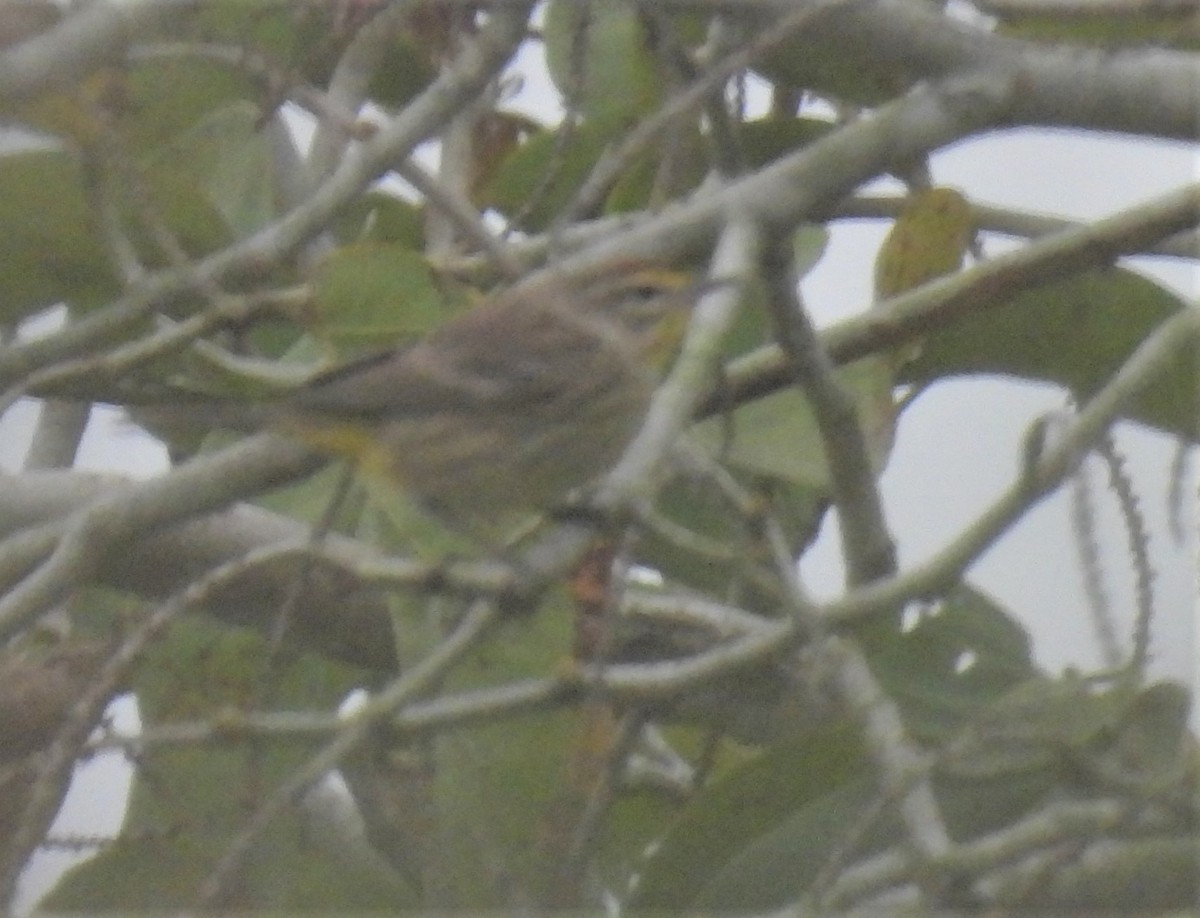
(992, 283)
(895, 45)
(868, 548)
(94, 35)
(1045, 470)
(361, 165)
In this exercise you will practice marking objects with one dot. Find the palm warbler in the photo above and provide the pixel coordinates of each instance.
(510, 406)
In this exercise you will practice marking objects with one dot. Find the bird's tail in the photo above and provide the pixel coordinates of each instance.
(183, 422)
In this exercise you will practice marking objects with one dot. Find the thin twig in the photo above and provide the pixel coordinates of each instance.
(1138, 538)
(1087, 547)
(867, 545)
(675, 400)
(606, 171)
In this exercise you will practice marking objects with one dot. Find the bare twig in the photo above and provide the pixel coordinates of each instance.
(904, 772)
(94, 373)
(989, 218)
(1138, 538)
(867, 545)
(349, 83)
(89, 38)
(1087, 547)
(675, 401)
(462, 216)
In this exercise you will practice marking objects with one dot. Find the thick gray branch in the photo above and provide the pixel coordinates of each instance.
(98, 34)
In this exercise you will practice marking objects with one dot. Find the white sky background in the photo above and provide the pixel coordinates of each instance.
(958, 446)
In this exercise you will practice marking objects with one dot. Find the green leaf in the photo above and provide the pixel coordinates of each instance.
(407, 69)
(777, 435)
(1075, 332)
(764, 140)
(393, 519)
(703, 513)
(275, 30)
(805, 787)
(778, 865)
(809, 61)
(667, 171)
(317, 35)
(187, 801)
(49, 249)
(225, 159)
(539, 177)
(961, 653)
(1035, 724)
(76, 112)
(167, 96)
(1149, 747)
(497, 785)
(381, 217)
(758, 837)
(370, 296)
(184, 205)
(597, 55)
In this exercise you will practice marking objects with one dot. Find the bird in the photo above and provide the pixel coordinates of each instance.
(505, 409)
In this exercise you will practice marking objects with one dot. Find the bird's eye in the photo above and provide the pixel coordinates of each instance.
(647, 291)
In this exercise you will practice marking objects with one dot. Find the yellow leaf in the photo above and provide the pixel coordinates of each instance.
(928, 239)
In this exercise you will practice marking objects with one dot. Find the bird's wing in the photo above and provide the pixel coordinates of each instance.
(492, 360)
